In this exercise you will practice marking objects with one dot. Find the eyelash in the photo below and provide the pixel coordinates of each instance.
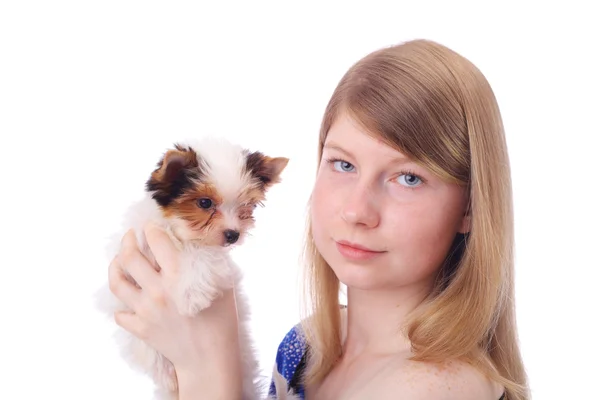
(330, 161)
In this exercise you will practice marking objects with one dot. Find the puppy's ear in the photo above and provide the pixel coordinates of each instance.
(174, 173)
(266, 169)
(174, 162)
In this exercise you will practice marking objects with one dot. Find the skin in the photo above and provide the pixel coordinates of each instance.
(411, 220)
(370, 194)
(187, 342)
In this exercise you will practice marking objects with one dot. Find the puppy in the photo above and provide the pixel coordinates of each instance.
(203, 193)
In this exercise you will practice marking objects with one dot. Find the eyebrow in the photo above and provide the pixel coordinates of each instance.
(399, 160)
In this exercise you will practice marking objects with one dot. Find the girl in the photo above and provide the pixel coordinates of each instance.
(412, 212)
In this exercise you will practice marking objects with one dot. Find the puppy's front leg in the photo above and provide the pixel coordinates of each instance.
(194, 299)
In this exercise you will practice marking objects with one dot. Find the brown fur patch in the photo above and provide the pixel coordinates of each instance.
(173, 162)
(266, 169)
(175, 173)
(186, 206)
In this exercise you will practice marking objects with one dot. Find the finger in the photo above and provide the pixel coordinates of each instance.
(120, 286)
(135, 263)
(132, 323)
(163, 249)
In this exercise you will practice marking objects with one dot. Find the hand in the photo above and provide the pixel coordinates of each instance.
(190, 343)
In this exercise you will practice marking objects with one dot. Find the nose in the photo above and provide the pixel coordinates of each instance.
(231, 236)
(361, 208)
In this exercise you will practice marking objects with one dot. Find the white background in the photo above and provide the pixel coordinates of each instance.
(91, 93)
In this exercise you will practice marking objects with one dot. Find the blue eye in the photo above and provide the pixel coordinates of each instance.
(342, 166)
(411, 180)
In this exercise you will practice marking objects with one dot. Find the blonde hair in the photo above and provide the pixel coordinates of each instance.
(434, 105)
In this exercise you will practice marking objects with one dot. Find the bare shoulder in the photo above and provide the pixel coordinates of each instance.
(452, 380)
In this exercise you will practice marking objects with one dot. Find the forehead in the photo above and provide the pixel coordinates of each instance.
(224, 170)
(347, 134)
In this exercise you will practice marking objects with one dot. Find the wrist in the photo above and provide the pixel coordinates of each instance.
(208, 383)
(219, 379)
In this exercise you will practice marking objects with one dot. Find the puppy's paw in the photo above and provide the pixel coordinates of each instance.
(193, 301)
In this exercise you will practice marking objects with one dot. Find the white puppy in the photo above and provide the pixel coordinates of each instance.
(203, 193)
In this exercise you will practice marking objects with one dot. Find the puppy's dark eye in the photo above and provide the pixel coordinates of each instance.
(204, 203)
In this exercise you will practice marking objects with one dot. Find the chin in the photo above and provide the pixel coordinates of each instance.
(382, 274)
(360, 277)
(203, 193)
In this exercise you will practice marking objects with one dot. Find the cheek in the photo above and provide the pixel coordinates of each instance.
(322, 207)
(246, 224)
(328, 189)
(422, 238)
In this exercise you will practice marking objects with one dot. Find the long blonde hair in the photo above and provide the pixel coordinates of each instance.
(434, 105)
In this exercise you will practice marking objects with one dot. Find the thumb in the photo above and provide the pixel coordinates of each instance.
(163, 249)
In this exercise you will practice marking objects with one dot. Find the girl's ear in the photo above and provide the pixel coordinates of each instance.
(465, 224)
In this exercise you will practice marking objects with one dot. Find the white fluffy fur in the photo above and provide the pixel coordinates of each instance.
(206, 272)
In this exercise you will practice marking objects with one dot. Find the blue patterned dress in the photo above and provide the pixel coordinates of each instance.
(290, 362)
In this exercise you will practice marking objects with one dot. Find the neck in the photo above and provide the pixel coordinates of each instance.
(376, 319)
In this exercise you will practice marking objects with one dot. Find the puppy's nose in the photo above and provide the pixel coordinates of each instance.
(231, 236)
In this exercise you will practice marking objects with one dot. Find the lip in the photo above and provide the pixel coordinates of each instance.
(356, 251)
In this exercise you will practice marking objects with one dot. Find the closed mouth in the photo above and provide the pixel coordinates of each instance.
(358, 246)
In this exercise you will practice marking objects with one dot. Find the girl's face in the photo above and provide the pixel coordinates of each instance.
(380, 220)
